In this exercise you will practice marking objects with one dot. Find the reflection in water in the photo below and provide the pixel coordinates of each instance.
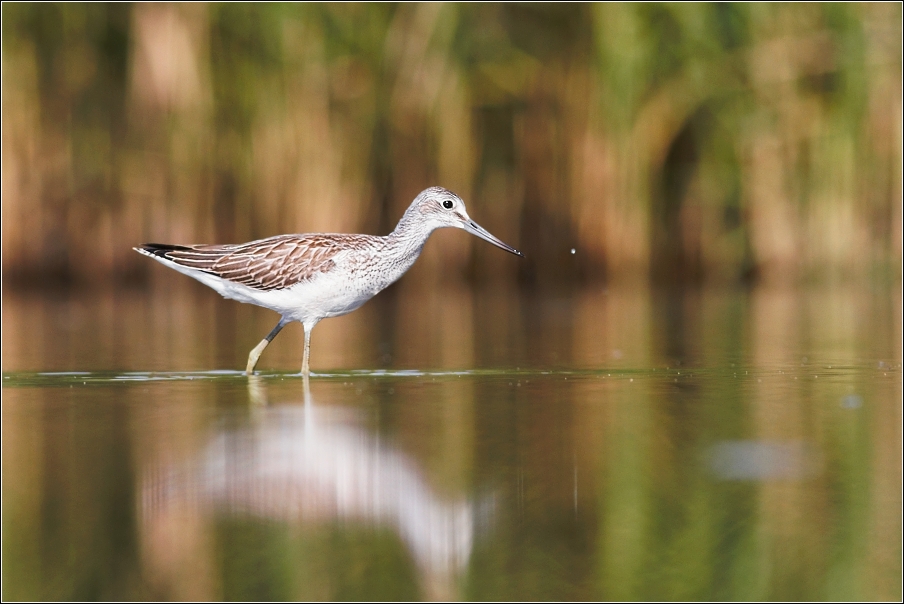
(725, 445)
(752, 460)
(308, 464)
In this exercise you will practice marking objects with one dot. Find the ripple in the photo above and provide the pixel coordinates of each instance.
(673, 375)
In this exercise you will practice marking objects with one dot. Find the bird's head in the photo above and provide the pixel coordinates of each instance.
(437, 207)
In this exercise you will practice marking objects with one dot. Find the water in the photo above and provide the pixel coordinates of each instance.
(491, 445)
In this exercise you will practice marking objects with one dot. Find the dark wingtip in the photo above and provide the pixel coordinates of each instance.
(158, 249)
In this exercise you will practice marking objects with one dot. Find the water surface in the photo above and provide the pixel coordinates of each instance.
(611, 444)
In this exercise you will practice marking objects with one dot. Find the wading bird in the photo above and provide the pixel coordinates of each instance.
(313, 276)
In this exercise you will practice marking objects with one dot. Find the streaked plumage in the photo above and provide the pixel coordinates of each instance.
(273, 263)
(313, 276)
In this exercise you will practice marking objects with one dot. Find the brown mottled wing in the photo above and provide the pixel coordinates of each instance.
(274, 263)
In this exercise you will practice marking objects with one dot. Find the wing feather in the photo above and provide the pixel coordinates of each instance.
(269, 264)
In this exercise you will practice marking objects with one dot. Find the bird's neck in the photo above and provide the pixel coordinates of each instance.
(408, 239)
(411, 232)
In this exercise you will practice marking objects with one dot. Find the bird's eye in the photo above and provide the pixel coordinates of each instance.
(448, 204)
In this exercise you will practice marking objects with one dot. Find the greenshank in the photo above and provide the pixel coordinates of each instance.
(313, 276)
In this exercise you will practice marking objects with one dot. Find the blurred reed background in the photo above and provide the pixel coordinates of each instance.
(704, 142)
(716, 144)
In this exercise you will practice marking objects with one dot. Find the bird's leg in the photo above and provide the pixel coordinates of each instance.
(256, 352)
(305, 361)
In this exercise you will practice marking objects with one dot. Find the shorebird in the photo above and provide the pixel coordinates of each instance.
(313, 276)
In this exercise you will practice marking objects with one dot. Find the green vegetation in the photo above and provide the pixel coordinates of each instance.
(712, 142)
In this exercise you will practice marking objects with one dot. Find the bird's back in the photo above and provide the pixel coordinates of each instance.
(274, 263)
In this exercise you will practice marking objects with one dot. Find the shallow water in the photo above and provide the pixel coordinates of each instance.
(607, 444)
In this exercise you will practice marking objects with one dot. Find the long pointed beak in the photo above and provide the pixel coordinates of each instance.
(475, 229)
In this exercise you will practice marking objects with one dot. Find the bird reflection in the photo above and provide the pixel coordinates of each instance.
(304, 464)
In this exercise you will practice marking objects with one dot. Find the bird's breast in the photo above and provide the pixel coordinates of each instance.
(355, 279)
